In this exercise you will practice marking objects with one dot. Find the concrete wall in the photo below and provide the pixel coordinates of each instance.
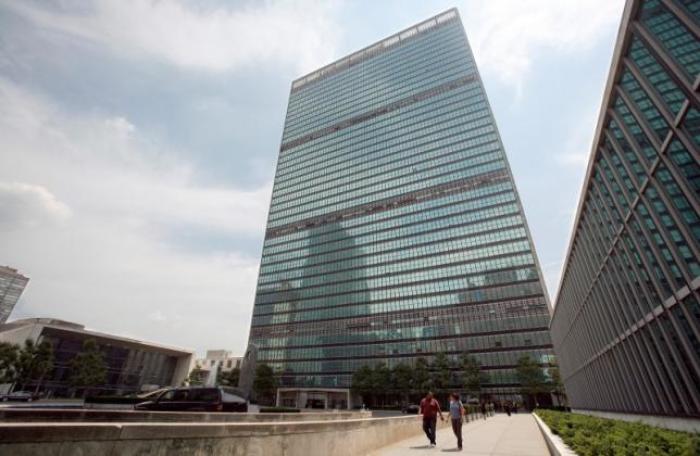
(301, 438)
(24, 415)
(668, 422)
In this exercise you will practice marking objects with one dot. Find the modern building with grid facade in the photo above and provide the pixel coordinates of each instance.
(395, 230)
(626, 326)
(12, 284)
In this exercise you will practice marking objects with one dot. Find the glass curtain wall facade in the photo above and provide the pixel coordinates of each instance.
(395, 230)
(626, 326)
(12, 284)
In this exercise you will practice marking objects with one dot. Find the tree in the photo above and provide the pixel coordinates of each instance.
(265, 383)
(43, 363)
(556, 386)
(532, 379)
(421, 376)
(362, 382)
(88, 368)
(8, 360)
(472, 377)
(440, 372)
(32, 362)
(195, 377)
(230, 378)
(381, 382)
(402, 379)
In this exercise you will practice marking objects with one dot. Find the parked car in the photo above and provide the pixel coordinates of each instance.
(22, 396)
(195, 399)
(410, 409)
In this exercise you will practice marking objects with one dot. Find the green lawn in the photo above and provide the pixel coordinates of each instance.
(591, 436)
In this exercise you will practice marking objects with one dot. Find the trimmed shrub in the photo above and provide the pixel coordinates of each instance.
(592, 436)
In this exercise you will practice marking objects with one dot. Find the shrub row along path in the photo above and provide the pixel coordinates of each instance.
(499, 435)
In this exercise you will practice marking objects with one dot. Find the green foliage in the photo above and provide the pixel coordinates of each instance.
(472, 377)
(402, 379)
(441, 373)
(8, 360)
(556, 386)
(88, 368)
(265, 383)
(32, 362)
(362, 381)
(229, 378)
(531, 378)
(591, 436)
(196, 377)
(422, 380)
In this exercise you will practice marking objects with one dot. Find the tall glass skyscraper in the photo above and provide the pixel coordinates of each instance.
(627, 321)
(12, 285)
(395, 230)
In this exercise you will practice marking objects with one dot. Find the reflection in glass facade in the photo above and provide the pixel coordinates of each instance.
(395, 229)
(627, 321)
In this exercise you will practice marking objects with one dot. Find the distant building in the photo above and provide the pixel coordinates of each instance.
(12, 285)
(215, 360)
(626, 326)
(218, 359)
(132, 365)
(395, 230)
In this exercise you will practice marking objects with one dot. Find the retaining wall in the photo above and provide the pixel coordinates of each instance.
(91, 415)
(350, 437)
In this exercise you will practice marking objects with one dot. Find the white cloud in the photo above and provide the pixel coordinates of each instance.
(108, 263)
(507, 35)
(297, 32)
(25, 206)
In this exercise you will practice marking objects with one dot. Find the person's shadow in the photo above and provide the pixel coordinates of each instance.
(422, 447)
(451, 450)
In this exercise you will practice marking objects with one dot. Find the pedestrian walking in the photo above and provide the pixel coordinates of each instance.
(456, 417)
(483, 409)
(430, 409)
(508, 408)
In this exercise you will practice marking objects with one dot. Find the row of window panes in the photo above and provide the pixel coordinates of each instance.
(470, 344)
(401, 215)
(402, 249)
(412, 151)
(376, 94)
(389, 129)
(490, 162)
(381, 66)
(425, 159)
(308, 278)
(394, 236)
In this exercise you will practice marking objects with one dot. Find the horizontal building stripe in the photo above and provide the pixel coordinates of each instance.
(426, 94)
(391, 203)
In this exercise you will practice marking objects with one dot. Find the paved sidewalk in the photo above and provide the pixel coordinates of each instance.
(500, 435)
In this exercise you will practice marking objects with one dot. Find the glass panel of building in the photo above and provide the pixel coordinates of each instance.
(395, 230)
(627, 321)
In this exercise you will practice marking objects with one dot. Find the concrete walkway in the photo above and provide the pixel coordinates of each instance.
(501, 435)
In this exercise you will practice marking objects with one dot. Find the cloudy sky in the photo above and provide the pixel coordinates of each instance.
(138, 140)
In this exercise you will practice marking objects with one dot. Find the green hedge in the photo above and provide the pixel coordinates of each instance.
(591, 436)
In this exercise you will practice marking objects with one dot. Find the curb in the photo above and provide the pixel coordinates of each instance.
(555, 444)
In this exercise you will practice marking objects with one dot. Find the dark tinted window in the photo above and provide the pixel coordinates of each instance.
(204, 395)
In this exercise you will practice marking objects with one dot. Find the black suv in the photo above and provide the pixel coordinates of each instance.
(195, 399)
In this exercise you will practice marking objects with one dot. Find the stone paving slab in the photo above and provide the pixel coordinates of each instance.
(500, 435)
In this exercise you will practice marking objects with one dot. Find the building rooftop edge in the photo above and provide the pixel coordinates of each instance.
(302, 80)
(630, 8)
(77, 327)
(14, 271)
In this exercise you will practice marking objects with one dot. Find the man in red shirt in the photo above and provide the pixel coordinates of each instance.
(430, 408)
